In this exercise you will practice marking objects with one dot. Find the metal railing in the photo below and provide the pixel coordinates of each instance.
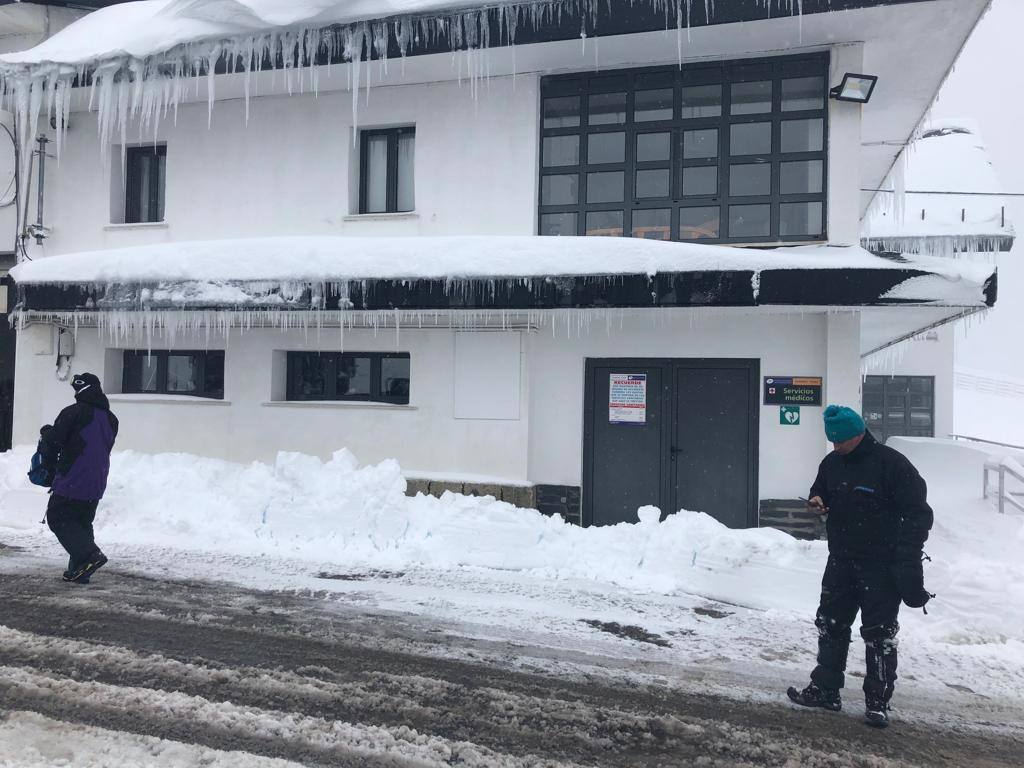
(987, 442)
(1005, 497)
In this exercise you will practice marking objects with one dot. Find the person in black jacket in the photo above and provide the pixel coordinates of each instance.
(75, 451)
(877, 522)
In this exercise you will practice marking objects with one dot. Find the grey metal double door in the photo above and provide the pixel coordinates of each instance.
(673, 433)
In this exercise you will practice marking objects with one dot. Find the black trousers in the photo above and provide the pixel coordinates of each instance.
(71, 522)
(847, 587)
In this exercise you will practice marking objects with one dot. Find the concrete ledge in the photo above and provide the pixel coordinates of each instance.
(166, 400)
(338, 404)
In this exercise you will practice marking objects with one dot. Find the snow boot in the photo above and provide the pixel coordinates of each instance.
(88, 568)
(814, 696)
(876, 712)
(71, 569)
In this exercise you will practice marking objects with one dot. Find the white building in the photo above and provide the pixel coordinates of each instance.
(257, 261)
(22, 25)
(953, 208)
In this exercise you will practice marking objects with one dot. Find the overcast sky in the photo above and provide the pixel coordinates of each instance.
(983, 87)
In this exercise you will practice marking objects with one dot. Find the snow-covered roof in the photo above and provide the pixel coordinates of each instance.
(331, 259)
(953, 201)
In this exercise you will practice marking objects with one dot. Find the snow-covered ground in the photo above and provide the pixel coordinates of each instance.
(740, 602)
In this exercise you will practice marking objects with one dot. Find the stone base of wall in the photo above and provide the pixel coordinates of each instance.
(562, 500)
(792, 517)
(520, 495)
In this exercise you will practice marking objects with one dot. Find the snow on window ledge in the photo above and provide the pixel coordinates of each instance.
(165, 399)
(407, 216)
(356, 404)
(137, 225)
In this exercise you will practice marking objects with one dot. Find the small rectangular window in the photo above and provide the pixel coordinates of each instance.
(145, 182)
(360, 376)
(166, 372)
(387, 171)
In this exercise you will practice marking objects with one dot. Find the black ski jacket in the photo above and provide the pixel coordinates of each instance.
(877, 503)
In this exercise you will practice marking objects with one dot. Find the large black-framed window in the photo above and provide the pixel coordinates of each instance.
(174, 372)
(380, 377)
(386, 170)
(716, 152)
(900, 405)
(145, 184)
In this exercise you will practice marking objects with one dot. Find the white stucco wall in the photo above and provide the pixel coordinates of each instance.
(541, 442)
(294, 168)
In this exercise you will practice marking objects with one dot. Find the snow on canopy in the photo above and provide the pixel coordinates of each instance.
(953, 201)
(335, 258)
(139, 57)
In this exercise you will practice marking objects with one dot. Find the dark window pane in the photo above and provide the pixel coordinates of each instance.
(921, 384)
(702, 180)
(700, 144)
(607, 108)
(562, 112)
(801, 93)
(561, 189)
(606, 148)
(699, 223)
(653, 105)
(561, 150)
(652, 183)
(376, 172)
(750, 220)
(801, 178)
(702, 101)
(394, 378)
(182, 373)
(558, 224)
(213, 374)
(148, 367)
(655, 224)
(161, 189)
(406, 163)
(751, 179)
(354, 376)
(803, 135)
(606, 223)
(750, 139)
(800, 219)
(308, 376)
(751, 98)
(607, 187)
(653, 147)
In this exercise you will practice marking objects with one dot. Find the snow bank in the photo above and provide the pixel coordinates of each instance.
(325, 258)
(358, 518)
(950, 157)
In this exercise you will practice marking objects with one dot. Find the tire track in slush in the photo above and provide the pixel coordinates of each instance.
(286, 677)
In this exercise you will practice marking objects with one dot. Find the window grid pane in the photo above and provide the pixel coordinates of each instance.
(737, 154)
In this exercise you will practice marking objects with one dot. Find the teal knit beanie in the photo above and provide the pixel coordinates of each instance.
(842, 423)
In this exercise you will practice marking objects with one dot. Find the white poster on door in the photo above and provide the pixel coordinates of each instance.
(627, 398)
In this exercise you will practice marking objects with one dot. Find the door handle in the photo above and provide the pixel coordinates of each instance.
(673, 451)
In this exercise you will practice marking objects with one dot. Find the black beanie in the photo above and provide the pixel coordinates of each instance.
(80, 382)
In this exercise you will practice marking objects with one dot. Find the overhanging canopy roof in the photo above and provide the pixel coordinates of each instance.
(431, 273)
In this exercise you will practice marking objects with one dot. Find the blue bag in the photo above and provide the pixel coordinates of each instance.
(38, 474)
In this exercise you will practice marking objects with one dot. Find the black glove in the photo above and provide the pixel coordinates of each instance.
(909, 576)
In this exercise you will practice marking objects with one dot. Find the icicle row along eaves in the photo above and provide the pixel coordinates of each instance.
(147, 89)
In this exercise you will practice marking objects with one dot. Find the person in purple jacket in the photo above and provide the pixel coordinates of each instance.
(77, 451)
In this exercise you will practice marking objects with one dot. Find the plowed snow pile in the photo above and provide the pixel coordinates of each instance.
(359, 517)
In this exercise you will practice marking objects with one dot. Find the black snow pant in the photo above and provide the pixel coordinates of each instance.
(846, 587)
(71, 522)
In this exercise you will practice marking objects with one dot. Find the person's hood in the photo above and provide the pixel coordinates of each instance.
(88, 390)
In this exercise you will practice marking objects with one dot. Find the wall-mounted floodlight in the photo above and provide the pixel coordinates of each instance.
(854, 87)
